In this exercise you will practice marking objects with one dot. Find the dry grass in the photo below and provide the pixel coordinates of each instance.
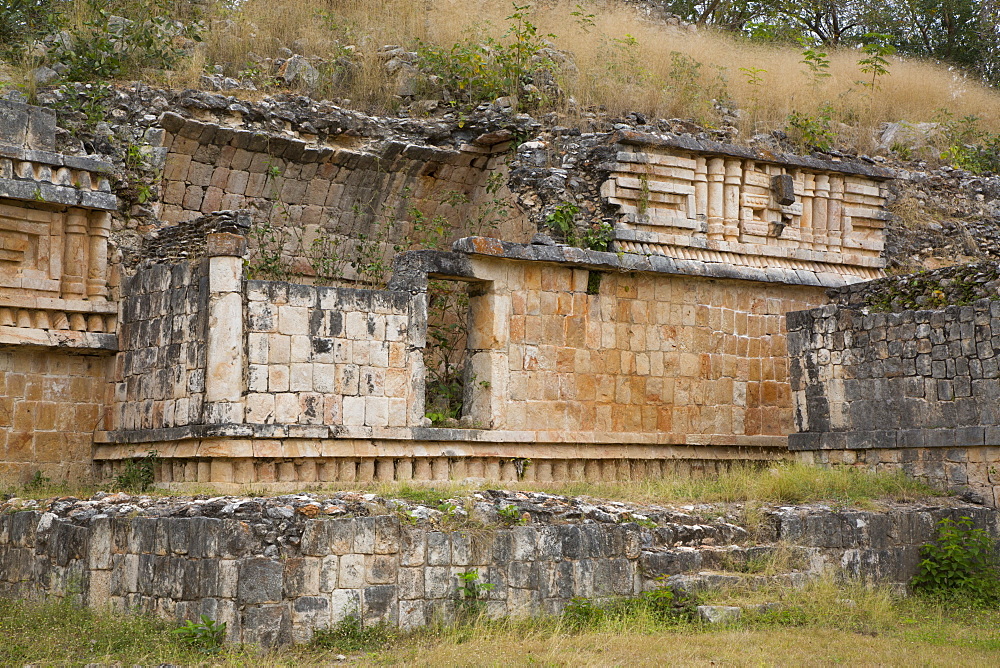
(614, 72)
(782, 483)
(748, 485)
(821, 624)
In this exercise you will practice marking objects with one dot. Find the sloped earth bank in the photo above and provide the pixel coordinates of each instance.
(274, 569)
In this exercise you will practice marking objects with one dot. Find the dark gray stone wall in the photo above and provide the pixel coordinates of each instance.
(160, 373)
(883, 380)
(917, 391)
(274, 576)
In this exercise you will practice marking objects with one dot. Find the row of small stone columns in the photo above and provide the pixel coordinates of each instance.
(85, 255)
(718, 183)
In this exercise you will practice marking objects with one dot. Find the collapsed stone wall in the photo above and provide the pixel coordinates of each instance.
(314, 199)
(277, 569)
(916, 390)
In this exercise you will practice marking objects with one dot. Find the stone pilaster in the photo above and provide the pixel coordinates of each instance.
(224, 352)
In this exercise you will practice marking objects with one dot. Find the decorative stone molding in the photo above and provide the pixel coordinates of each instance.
(55, 218)
(700, 200)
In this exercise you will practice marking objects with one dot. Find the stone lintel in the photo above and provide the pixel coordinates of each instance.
(225, 244)
(882, 439)
(409, 435)
(456, 265)
(40, 191)
(306, 448)
(83, 342)
(56, 304)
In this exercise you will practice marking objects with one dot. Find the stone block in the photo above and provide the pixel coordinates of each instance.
(352, 571)
(437, 582)
(267, 625)
(309, 613)
(412, 546)
(438, 549)
(364, 535)
(387, 534)
(719, 614)
(411, 583)
(329, 573)
(380, 568)
(260, 581)
(379, 603)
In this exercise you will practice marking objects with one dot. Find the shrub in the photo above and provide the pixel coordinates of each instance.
(206, 635)
(960, 563)
(108, 47)
(664, 604)
(137, 475)
(22, 21)
(481, 71)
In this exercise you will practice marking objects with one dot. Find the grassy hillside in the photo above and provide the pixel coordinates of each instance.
(609, 59)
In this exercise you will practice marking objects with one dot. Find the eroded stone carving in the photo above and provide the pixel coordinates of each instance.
(55, 217)
(718, 203)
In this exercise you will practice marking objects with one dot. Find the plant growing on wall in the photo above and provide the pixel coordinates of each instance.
(472, 593)
(445, 352)
(138, 474)
(206, 635)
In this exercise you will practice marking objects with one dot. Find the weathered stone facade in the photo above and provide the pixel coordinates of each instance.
(915, 390)
(57, 325)
(592, 365)
(336, 188)
(275, 576)
(692, 199)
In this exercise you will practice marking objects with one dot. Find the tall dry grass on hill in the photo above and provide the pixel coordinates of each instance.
(624, 62)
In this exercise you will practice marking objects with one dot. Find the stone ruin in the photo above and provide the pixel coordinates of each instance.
(665, 354)
(740, 315)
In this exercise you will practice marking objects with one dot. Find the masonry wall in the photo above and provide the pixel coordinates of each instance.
(160, 375)
(384, 571)
(590, 374)
(305, 190)
(911, 390)
(626, 356)
(51, 403)
(333, 356)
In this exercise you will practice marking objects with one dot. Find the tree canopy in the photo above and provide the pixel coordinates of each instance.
(965, 33)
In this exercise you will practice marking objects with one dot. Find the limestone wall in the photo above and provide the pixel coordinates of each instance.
(51, 404)
(332, 356)
(275, 576)
(160, 375)
(57, 325)
(678, 358)
(916, 390)
(596, 367)
(693, 199)
(340, 190)
(588, 351)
